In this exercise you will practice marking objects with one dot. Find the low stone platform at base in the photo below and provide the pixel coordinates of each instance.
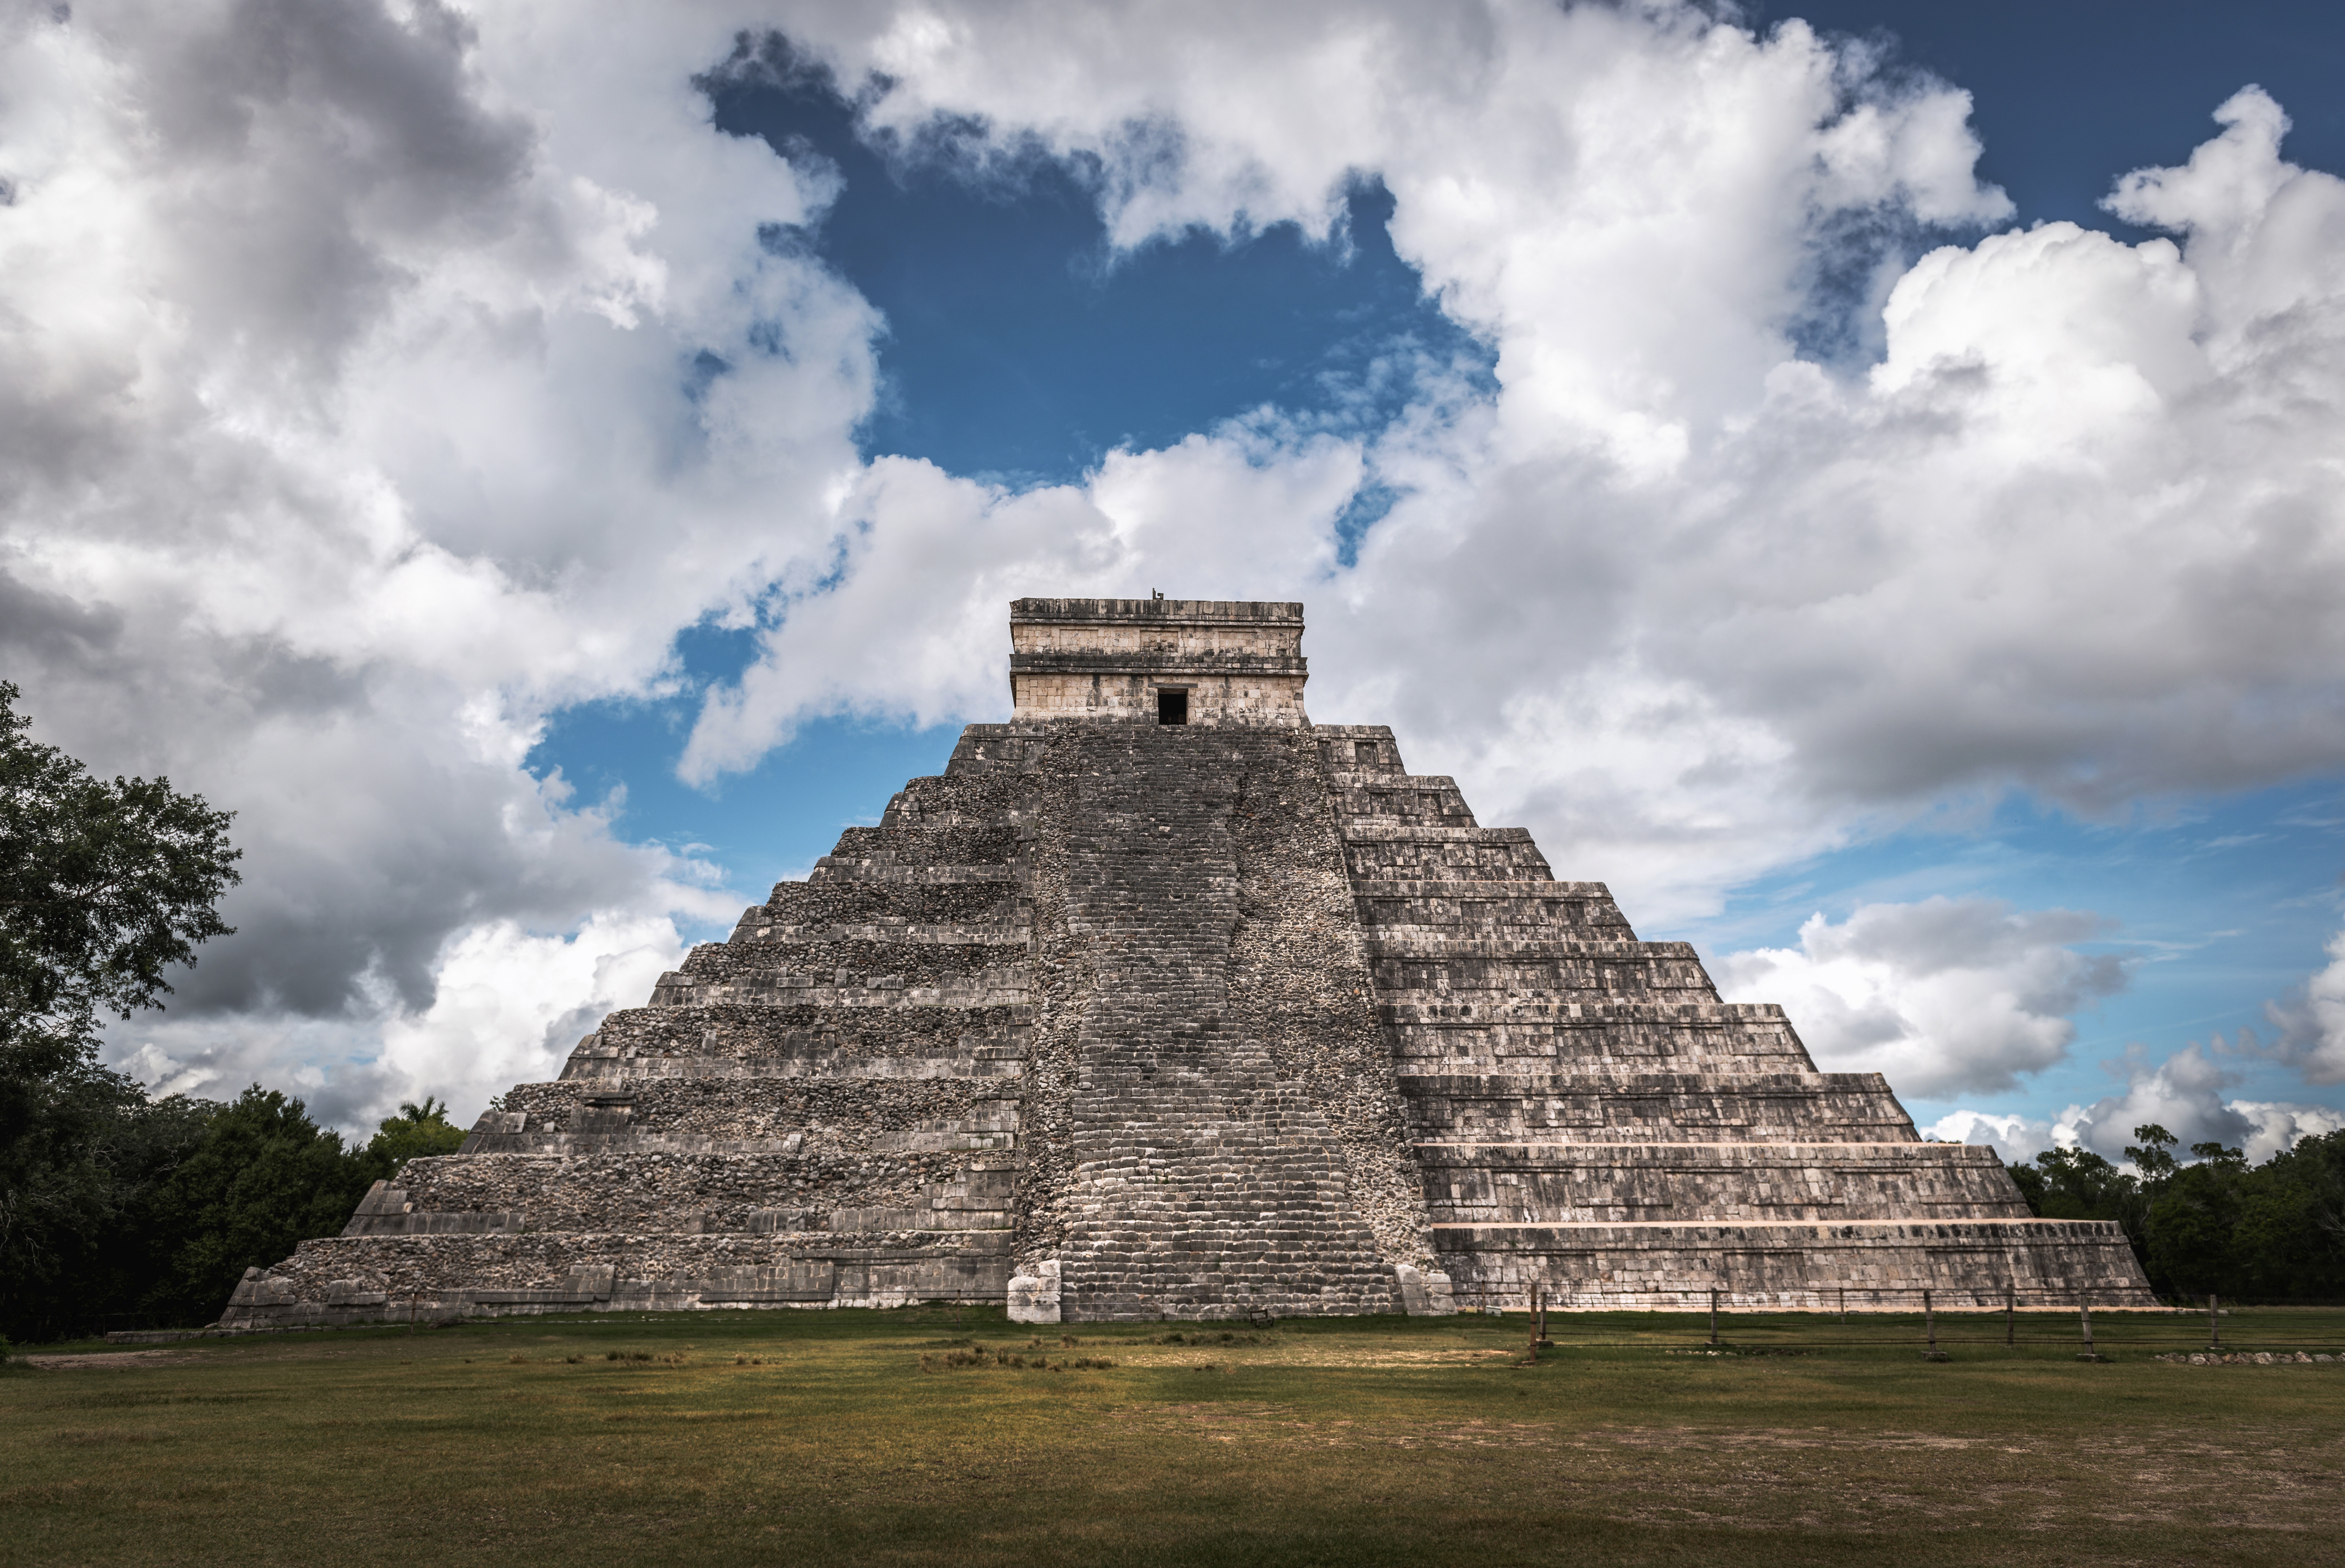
(374, 1279)
(1874, 1266)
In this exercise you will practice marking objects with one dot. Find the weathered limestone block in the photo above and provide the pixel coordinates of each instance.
(809, 906)
(1532, 1183)
(1348, 751)
(1450, 970)
(836, 1031)
(1219, 662)
(1610, 1108)
(763, 1107)
(1034, 1293)
(1429, 910)
(1424, 1292)
(1882, 1266)
(457, 1275)
(977, 972)
(1383, 850)
(703, 1193)
(1393, 798)
(1455, 1035)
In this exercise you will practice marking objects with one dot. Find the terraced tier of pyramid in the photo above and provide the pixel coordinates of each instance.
(1161, 1001)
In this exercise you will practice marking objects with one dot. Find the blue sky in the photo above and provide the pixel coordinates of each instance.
(1019, 347)
(592, 470)
(2069, 95)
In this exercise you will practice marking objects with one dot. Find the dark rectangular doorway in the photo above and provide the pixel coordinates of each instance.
(1172, 707)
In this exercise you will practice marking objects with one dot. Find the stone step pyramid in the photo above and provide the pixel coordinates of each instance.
(1163, 1001)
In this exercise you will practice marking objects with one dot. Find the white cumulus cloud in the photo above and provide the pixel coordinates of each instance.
(2015, 1139)
(1946, 996)
(2185, 1092)
(2311, 1023)
(510, 1004)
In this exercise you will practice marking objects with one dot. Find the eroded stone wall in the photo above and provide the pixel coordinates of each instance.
(1592, 1123)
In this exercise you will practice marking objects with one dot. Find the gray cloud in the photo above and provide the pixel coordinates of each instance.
(309, 147)
(2310, 1024)
(340, 365)
(2182, 1094)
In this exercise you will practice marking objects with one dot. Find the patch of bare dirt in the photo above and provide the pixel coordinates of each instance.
(1841, 1479)
(111, 1360)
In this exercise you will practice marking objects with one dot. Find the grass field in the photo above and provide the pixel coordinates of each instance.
(918, 1437)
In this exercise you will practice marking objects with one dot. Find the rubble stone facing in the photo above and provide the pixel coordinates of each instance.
(762, 1035)
(703, 1193)
(1471, 1184)
(809, 906)
(1594, 1124)
(732, 1108)
(1654, 1107)
(370, 1279)
(1116, 1018)
(1792, 1264)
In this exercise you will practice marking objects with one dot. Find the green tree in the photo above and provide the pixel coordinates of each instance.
(81, 1176)
(2298, 1224)
(103, 888)
(2194, 1222)
(416, 1131)
(2212, 1223)
(265, 1179)
(2274, 1231)
(2077, 1184)
(2153, 1156)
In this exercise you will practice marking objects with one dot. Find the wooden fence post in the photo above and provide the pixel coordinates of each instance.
(1713, 1317)
(2084, 1312)
(2214, 1327)
(2010, 1311)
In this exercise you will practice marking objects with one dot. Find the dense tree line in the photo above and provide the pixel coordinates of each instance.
(122, 1211)
(116, 1206)
(2269, 1232)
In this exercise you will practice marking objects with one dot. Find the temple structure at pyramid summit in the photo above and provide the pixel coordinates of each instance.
(1163, 1001)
